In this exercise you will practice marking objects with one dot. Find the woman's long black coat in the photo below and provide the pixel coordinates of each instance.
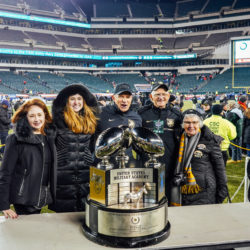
(74, 155)
(209, 171)
(22, 166)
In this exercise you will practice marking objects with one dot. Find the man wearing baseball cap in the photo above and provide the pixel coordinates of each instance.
(166, 121)
(119, 112)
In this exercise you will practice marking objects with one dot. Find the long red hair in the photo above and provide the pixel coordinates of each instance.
(24, 109)
(80, 123)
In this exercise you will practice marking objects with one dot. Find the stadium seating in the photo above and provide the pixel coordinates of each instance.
(42, 38)
(94, 83)
(128, 78)
(219, 38)
(12, 35)
(241, 4)
(143, 10)
(185, 7)
(138, 43)
(241, 77)
(71, 41)
(110, 8)
(215, 6)
(45, 5)
(168, 8)
(185, 42)
(222, 83)
(103, 43)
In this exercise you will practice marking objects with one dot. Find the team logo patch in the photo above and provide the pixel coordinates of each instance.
(131, 124)
(201, 146)
(170, 122)
(198, 154)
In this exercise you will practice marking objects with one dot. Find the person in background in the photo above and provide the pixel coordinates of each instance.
(18, 103)
(10, 108)
(136, 103)
(5, 122)
(74, 114)
(166, 121)
(200, 175)
(222, 127)
(224, 109)
(195, 101)
(206, 105)
(102, 101)
(246, 130)
(235, 116)
(28, 170)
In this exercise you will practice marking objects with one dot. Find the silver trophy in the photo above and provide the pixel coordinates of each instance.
(108, 143)
(127, 206)
(146, 141)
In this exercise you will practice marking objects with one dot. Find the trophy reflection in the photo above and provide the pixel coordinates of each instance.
(127, 206)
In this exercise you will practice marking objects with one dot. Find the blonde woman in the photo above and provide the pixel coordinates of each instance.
(73, 112)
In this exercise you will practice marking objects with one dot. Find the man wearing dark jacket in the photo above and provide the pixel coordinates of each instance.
(120, 114)
(166, 121)
(4, 123)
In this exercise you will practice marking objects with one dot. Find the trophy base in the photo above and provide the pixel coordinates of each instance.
(130, 242)
(123, 227)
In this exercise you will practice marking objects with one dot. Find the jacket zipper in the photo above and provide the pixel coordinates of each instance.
(22, 183)
(39, 197)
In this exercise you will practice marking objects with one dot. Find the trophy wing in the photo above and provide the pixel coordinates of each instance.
(144, 140)
(109, 141)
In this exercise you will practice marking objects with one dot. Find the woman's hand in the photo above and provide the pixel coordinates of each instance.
(10, 214)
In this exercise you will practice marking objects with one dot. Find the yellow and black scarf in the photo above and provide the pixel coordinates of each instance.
(186, 151)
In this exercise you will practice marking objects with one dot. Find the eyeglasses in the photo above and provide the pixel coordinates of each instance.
(161, 94)
(189, 123)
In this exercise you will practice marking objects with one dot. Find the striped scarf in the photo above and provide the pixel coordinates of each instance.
(186, 151)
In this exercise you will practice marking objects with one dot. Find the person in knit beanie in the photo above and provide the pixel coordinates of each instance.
(243, 102)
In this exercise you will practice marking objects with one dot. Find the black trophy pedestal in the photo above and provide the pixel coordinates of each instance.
(127, 228)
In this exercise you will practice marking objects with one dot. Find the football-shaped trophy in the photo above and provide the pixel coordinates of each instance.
(127, 206)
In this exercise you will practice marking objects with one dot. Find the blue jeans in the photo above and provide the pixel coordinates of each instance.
(3, 136)
(248, 151)
(236, 152)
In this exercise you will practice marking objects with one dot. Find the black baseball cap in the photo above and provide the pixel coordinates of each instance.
(159, 85)
(192, 112)
(121, 88)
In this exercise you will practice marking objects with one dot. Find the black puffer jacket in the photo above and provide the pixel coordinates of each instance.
(209, 171)
(4, 119)
(22, 167)
(246, 130)
(74, 155)
(111, 117)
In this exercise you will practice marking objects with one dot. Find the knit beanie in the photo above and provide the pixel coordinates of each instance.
(217, 109)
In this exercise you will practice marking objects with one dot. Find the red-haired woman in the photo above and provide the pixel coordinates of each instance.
(73, 113)
(27, 173)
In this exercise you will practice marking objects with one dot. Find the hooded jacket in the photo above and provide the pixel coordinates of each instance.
(74, 155)
(22, 168)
